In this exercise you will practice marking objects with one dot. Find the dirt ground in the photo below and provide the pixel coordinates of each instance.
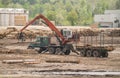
(12, 50)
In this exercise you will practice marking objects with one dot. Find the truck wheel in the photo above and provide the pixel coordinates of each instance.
(88, 53)
(51, 50)
(40, 50)
(105, 54)
(67, 52)
(58, 51)
(30, 47)
(82, 53)
(96, 53)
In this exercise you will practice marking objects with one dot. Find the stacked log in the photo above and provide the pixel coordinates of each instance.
(114, 33)
(28, 34)
(88, 32)
(7, 32)
(37, 32)
(2, 33)
(13, 35)
(12, 32)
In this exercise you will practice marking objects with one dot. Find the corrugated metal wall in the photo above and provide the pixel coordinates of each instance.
(4, 19)
(20, 20)
(13, 17)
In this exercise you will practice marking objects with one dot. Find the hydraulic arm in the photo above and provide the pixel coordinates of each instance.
(50, 25)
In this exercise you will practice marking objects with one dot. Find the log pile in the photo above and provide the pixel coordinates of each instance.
(2, 33)
(12, 32)
(7, 32)
(89, 32)
(114, 33)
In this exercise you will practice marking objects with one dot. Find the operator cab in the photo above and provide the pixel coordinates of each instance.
(66, 33)
(41, 41)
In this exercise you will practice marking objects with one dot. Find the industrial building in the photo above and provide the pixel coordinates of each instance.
(13, 17)
(112, 12)
(110, 19)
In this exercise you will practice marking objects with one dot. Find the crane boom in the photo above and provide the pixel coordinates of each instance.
(50, 25)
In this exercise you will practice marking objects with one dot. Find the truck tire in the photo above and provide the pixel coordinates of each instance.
(67, 52)
(105, 54)
(82, 53)
(40, 50)
(89, 53)
(96, 53)
(58, 51)
(51, 50)
(30, 47)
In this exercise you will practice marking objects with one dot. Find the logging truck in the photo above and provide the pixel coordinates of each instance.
(65, 38)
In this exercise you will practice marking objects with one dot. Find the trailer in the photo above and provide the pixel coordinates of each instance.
(67, 39)
(94, 51)
(94, 45)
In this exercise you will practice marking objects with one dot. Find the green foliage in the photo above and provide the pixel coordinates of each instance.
(64, 12)
(118, 4)
(101, 7)
(72, 17)
(6, 2)
(51, 15)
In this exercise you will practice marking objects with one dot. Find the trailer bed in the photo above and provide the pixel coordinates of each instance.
(94, 51)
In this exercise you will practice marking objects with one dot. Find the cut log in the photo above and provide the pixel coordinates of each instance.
(50, 61)
(63, 61)
(30, 61)
(12, 61)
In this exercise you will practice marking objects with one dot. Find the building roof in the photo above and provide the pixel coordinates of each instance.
(106, 18)
(112, 12)
(13, 10)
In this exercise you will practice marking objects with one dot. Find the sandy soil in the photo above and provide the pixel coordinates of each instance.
(21, 70)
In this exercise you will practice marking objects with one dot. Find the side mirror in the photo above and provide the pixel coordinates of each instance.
(116, 21)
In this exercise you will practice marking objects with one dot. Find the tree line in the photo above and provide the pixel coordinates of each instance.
(64, 12)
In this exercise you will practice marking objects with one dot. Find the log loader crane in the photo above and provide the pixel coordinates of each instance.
(43, 43)
(65, 46)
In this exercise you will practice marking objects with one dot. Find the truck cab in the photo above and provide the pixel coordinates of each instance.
(41, 41)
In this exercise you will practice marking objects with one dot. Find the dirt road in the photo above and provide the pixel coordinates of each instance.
(30, 70)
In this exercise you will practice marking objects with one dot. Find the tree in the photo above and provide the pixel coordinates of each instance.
(64, 12)
(68, 6)
(112, 4)
(51, 15)
(32, 2)
(118, 4)
(45, 1)
(6, 2)
(1, 5)
(84, 12)
(72, 17)
(102, 5)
